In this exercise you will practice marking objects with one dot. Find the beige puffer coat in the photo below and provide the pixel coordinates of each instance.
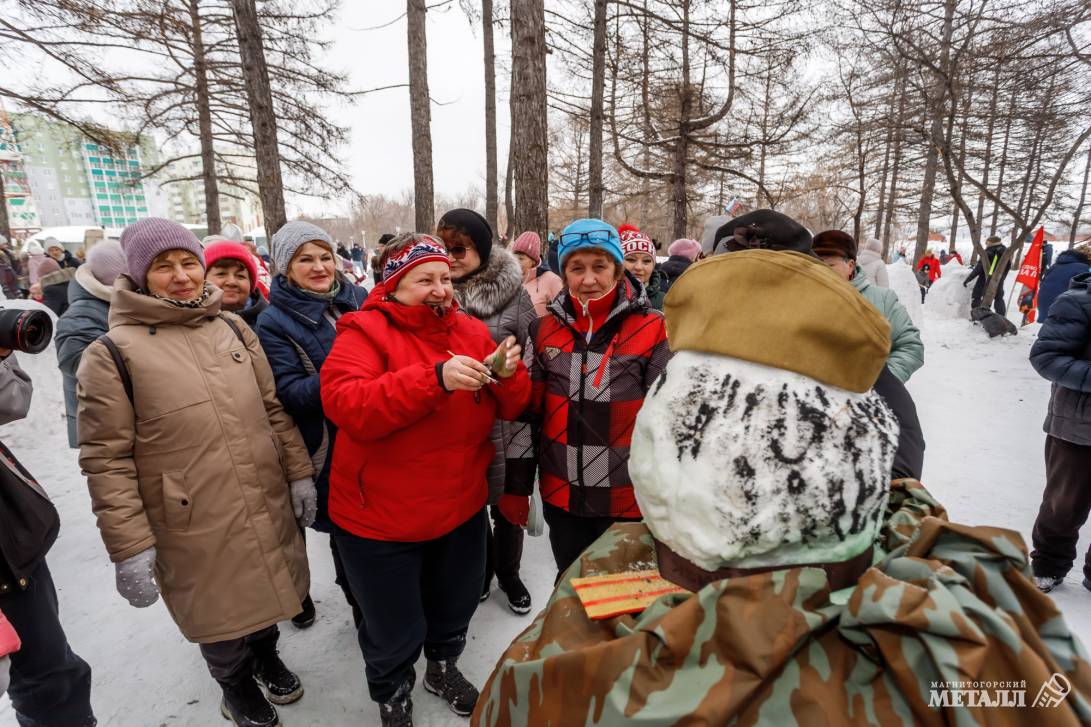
(200, 466)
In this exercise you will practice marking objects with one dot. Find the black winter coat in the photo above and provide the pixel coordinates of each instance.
(1062, 355)
(1069, 264)
(983, 273)
(85, 320)
(673, 269)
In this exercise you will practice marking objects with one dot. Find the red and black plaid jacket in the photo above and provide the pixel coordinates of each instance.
(585, 396)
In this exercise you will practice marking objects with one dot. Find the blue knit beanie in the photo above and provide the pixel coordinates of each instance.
(590, 234)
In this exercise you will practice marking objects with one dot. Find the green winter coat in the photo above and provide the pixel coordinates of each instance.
(906, 348)
(656, 289)
(944, 606)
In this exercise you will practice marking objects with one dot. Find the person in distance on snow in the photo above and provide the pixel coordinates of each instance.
(488, 283)
(1062, 355)
(838, 250)
(414, 403)
(307, 296)
(982, 272)
(198, 478)
(592, 361)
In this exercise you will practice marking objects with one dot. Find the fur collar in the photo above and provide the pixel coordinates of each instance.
(91, 284)
(493, 287)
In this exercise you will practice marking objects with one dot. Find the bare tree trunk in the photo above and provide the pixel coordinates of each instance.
(967, 102)
(491, 196)
(884, 175)
(420, 113)
(529, 109)
(892, 198)
(262, 117)
(509, 207)
(5, 223)
(681, 147)
(1003, 160)
(1079, 205)
(975, 230)
(204, 124)
(645, 182)
(763, 149)
(598, 83)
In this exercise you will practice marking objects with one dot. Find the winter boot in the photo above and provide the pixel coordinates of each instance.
(443, 679)
(246, 706)
(1048, 583)
(305, 618)
(398, 712)
(282, 686)
(518, 595)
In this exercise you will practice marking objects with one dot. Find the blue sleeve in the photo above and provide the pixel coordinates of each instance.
(297, 390)
(1060, 353)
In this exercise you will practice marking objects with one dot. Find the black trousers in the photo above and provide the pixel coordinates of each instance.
(232, 661)
(342, 581)
(1066, 503)
(413, 596)
(503, 549)
(569, 535)
(999, 304)
(50, 685)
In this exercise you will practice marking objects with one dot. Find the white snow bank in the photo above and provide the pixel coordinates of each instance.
(905, 285)
(947, 298)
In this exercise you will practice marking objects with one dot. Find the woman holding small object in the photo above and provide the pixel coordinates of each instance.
(414, 386)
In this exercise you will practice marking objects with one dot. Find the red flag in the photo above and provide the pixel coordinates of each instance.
(1030, 270)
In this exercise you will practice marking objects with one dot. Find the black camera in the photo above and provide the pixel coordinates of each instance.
(28, 331)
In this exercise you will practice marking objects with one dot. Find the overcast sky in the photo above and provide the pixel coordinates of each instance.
(379, 156)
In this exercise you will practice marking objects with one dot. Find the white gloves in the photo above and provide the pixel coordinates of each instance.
(304, 501)
(136, 579)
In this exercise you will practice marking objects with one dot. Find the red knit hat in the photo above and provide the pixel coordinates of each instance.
(425, 249)
(633, 240)
(227, 250)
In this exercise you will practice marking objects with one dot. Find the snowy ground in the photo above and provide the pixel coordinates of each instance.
(980, 403)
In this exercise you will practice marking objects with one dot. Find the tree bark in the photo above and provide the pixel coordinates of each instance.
(5, 223)
(509, 205)
(1079, 205)
(529, 110)
(204, 123)
(899, 144)
(598, 88)
(262, 116)
(491, 196)
(975, 229)
(681, 147)
(1003, 160)
(420, 113)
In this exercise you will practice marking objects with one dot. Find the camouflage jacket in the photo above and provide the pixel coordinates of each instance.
(946, 628)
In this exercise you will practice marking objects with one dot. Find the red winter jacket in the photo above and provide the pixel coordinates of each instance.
(410, 459)
(585, 397)
(934, 272)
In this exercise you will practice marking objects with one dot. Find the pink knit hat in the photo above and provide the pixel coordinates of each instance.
(685, 248)
(530, 245)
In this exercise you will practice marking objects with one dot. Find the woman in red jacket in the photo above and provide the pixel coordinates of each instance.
(414, 404)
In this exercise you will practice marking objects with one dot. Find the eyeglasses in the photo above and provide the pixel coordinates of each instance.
(594, 237)
(458, 251)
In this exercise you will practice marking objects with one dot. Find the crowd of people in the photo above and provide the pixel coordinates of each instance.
(224, 399)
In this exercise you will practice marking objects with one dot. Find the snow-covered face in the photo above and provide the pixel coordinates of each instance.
(735, 463)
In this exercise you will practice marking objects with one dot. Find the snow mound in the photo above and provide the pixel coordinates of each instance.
(947, 298)
(905, 285)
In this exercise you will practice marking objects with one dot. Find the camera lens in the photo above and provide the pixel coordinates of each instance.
(28, 331)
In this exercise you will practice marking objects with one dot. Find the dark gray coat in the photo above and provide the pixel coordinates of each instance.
(1062, 354)
(496, 297)
(83, 322)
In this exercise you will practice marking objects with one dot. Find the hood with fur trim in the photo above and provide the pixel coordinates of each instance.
(491, 288)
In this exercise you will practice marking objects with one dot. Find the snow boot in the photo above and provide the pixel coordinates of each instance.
(518, 595)
(305, 618)
(245, 706)
(398, 711)
(1048, 583)
(281, 684)
(443, 679)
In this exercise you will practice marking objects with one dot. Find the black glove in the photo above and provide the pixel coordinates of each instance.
(964, 282)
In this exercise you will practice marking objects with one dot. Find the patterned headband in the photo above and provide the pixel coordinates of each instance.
(426, 250)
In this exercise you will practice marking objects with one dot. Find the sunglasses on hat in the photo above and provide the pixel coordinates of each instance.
(595, 237)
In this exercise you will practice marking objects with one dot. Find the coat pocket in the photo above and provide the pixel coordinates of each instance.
(177, 505)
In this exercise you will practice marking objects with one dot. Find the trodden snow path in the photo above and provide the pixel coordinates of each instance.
(980, 402)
